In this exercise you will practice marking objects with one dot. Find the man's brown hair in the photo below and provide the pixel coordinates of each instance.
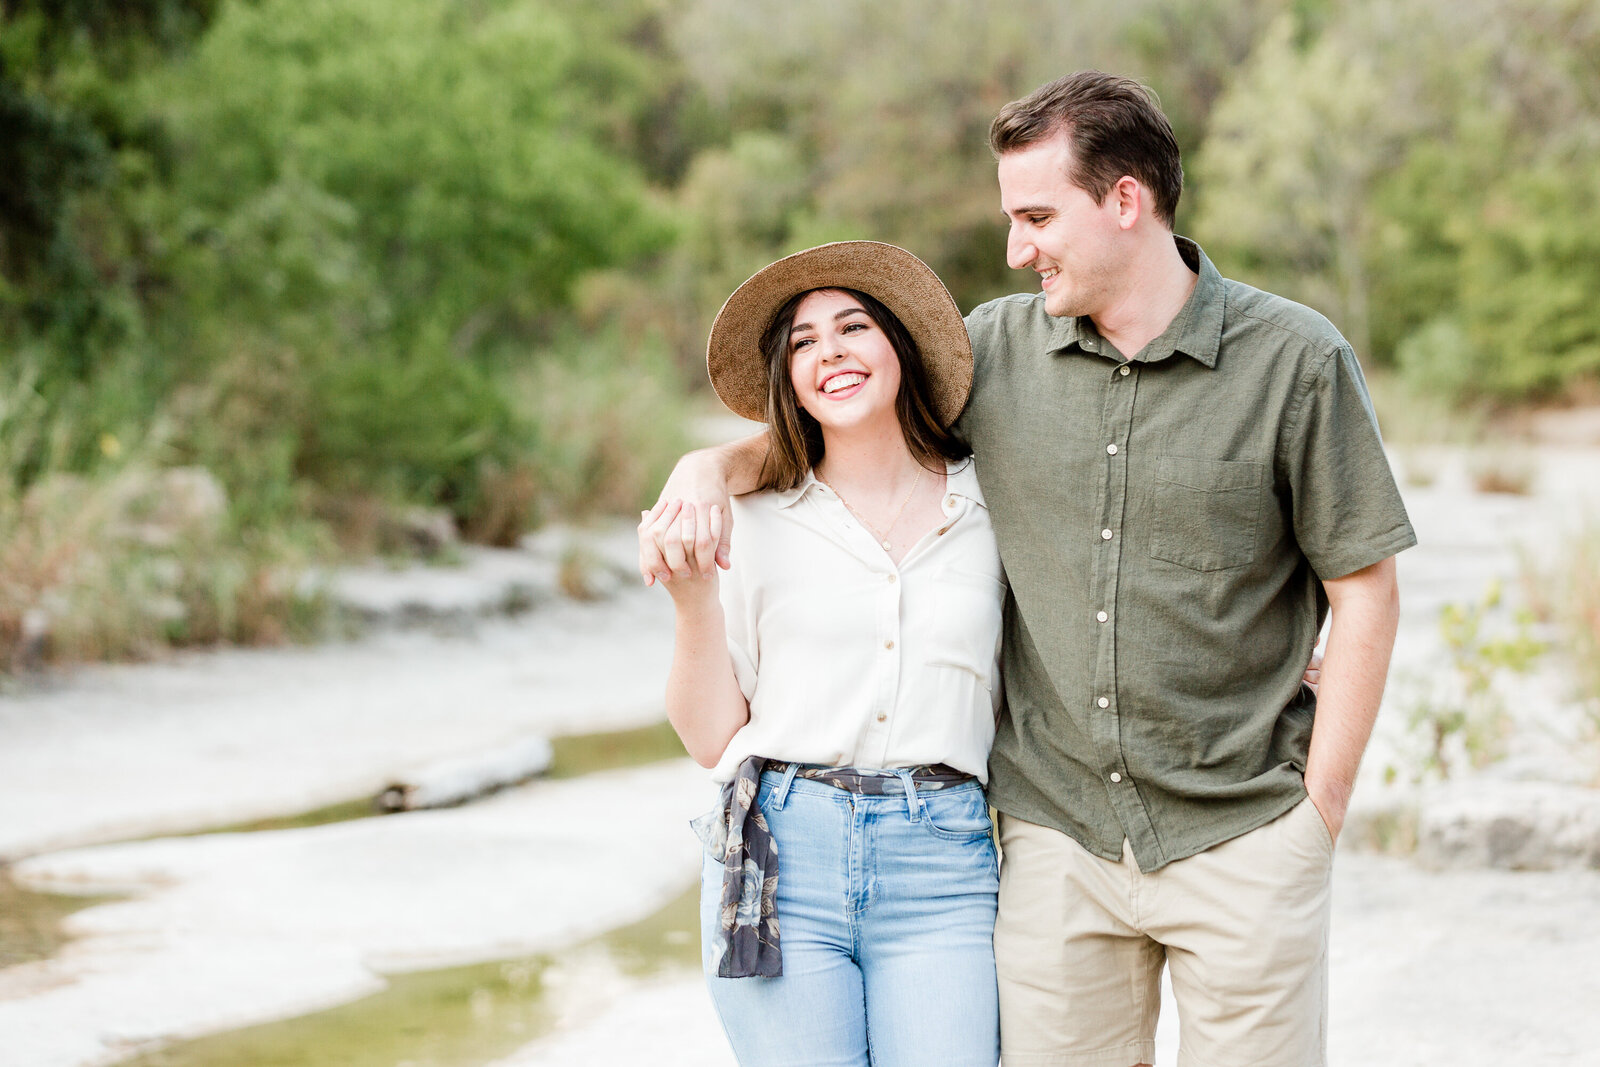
(1115, 127)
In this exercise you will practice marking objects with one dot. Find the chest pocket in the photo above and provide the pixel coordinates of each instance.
(1207, 512)
(964, 631)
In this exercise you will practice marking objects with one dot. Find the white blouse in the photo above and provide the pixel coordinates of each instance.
(849, 660)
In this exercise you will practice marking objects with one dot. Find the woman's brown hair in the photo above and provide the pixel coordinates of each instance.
(795, 438)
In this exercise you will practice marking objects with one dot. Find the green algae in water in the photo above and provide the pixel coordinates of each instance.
(30, 923)
(460, 1017)
(585, 753)
(349, 811)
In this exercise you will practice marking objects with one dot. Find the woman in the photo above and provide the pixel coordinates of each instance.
(841, 677)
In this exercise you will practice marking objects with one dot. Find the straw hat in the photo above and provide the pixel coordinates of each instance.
(902, 282)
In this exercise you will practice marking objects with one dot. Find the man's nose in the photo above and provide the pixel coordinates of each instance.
(1019, 249)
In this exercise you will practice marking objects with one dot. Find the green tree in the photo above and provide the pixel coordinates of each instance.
(473, 186)
(1423, 174)
(1190, 50)
(68, 132)
(1296, 146)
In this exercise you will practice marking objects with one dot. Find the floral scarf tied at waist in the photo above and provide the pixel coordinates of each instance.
(736, 833)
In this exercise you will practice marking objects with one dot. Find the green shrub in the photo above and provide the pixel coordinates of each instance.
(425, 428)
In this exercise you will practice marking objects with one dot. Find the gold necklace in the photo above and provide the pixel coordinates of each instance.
(882, 538)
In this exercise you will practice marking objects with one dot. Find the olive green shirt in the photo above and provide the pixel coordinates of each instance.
(1166, 523)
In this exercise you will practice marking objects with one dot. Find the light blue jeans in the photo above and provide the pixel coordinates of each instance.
(886, 913)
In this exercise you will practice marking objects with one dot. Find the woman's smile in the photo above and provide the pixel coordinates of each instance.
(843, 383)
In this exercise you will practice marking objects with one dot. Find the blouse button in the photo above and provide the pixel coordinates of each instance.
(888, 644)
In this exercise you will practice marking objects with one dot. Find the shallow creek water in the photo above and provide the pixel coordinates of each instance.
(30, 923)
(460, 1017)
(456, 1017)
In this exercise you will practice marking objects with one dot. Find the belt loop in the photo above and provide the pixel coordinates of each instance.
(913, 801)
(781, 793)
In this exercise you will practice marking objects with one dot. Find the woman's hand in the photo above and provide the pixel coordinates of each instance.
(704, 702)
(669, 538)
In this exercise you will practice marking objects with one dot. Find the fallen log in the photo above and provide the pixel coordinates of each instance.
(457, 780)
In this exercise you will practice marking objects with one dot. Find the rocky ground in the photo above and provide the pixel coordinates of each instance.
(1444, 960)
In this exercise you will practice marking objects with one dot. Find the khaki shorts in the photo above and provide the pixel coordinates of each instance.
(1243, 926)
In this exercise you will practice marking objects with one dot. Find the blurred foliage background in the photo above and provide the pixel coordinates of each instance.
(322, 261)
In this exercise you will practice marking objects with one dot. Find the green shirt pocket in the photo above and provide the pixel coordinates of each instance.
(1207, 512)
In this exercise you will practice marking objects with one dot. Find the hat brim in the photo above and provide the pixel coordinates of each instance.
(902, 282)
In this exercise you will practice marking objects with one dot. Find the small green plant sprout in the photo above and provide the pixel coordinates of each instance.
(1462, 720)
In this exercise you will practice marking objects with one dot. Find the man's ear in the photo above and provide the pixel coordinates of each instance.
(1130, 198)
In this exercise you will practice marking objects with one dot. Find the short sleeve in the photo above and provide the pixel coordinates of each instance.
(1347, 511)
(739, 618)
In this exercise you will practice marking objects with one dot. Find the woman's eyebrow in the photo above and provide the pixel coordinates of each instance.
(801, 326)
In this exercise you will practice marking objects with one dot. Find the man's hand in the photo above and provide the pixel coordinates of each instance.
(1313, 674)
(1330, 804)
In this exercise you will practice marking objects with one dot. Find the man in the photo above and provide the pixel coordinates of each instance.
(1184, 476)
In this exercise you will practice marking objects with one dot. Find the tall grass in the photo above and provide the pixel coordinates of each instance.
(611, 418)
(1577, 606)
(122, 556)
(1564, 589)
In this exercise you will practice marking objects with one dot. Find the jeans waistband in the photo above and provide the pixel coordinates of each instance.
(875, 781)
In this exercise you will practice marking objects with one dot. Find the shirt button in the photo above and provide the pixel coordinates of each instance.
(1105, 535)
(1102, 616)
(888, 644)
(891, 579)
(950, 501)
(1115, 777)
(1124, 372)
(882, 717)
(1111, 450)
(1103, 702)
